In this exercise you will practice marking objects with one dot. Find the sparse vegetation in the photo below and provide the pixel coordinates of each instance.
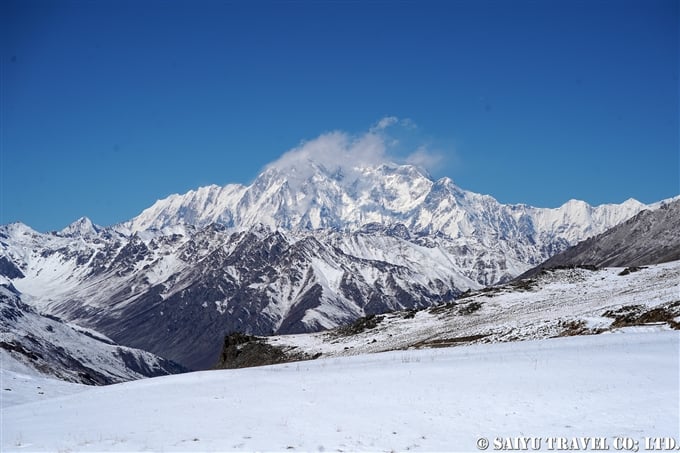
(489, 290)
(443, 308)
(467, 293)
(563, 267)
(630, 270)
(525, 284)
(446, 342)
(409, 314)
(470, 308)
(635, 315)
(360, 325)
(572, 328)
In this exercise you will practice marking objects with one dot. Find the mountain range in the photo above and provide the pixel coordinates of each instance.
(386, 194)
(289, 253)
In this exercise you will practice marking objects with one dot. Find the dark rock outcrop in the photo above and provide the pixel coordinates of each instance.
(243, 351)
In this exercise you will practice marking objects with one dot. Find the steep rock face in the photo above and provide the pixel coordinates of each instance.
(650, 237)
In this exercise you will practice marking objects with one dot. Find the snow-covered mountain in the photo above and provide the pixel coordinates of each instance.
(488, 242)
(81, 227)
(386, 194)
(295, 251)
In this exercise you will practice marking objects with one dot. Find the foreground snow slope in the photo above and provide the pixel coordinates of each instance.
(620, 384)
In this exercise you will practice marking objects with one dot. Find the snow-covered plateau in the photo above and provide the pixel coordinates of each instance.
(614, 386)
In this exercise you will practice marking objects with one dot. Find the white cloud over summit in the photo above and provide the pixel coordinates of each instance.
(424, 158)
(342, 151)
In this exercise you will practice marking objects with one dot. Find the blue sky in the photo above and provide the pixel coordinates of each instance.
(108, 106)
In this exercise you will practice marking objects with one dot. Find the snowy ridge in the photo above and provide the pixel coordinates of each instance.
(386, 194)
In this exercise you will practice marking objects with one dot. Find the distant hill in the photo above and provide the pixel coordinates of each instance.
(649, 237)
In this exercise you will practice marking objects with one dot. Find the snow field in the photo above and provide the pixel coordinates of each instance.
(419, 400)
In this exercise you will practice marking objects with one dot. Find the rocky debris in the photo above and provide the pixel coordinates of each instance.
(635, 315)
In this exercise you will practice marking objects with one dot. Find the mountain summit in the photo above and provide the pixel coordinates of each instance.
(81, 227)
